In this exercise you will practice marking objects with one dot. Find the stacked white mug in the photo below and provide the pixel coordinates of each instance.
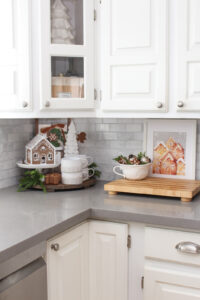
(74, 169)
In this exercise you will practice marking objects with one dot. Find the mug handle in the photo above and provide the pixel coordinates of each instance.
(92, 174)
(120, 174)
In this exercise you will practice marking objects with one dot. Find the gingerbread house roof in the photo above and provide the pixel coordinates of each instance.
(168, 155)
(179, 146)
(160, 143)
(170, 140)
(180, 160)
(38, 138)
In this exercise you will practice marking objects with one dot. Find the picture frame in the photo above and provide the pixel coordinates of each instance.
(172, 147)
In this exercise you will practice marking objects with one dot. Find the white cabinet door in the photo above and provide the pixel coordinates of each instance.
(67, 268)
(134, 55)
(90, 262)
(108, 261)
(15, 92)
(164, 282)
(188, 55)
(66, 55)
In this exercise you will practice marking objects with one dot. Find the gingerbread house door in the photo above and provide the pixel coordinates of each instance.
(43, 159)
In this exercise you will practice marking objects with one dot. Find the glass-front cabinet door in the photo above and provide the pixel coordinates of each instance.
(67, 61)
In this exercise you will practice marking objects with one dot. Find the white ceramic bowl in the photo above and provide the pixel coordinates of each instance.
(133, 172)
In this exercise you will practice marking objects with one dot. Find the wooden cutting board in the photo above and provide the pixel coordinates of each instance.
(185, 189)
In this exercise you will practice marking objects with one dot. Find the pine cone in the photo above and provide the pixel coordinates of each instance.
(122, 161)
(134, 161)
(52, 137)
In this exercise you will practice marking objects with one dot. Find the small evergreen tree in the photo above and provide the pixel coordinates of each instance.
(61, 28)
(71, 145)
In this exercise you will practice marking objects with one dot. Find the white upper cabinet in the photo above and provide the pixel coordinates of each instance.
(188, 35)
(134, 49)
(66, 60)
(15, 90)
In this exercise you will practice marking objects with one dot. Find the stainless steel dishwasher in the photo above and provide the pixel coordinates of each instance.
(28, 283)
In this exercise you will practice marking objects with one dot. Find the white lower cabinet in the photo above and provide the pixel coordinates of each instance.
(67, 265)
(89, 262)
(108, 261)
(92, 262)
(169, 282)
(171, 274)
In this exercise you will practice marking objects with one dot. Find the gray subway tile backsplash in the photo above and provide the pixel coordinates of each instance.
(106, 138)
(14, 134)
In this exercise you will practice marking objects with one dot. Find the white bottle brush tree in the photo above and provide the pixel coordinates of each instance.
(61, 28)
(71, 145)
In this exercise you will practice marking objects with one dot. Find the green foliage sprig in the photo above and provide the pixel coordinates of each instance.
(140, 155)
(122, 158)
(30, 179)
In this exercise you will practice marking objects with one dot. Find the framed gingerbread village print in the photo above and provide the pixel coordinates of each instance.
(172, 148)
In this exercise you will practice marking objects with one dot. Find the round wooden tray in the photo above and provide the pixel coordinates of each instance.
(65, 187)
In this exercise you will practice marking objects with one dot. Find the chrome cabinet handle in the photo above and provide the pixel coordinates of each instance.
(180, 104)
(159, 105)
(25, 104)
(188, 247)
(55, 247)
(47, 104)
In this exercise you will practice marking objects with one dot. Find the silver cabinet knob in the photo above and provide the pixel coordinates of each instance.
(180, 104)
(188, 247)
(55, 247)
(159, 105)
(25, 104)
(47, 104)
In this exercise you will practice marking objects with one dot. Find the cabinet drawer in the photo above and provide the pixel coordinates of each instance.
(161, 244)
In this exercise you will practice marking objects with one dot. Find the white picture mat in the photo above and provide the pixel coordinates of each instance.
(187, 126)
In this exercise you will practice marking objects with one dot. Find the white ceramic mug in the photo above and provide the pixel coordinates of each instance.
(71, 165)
(134, 172)
(76, 178)
(85, 159)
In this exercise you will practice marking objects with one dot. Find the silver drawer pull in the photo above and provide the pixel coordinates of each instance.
(159, 105)
(25, 104)
(180, 104)
(55, 247)
(188, 247)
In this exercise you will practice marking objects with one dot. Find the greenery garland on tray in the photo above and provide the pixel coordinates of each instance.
(30, 179)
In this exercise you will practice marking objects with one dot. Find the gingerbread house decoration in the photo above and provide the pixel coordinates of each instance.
(180, 167)
(171, 144)
(40, 151)
(178, 152)
(156, 166)
(160, 150)
(168, 158)
(168, 164)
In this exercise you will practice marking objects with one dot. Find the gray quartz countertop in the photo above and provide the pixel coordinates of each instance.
(30, 217)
